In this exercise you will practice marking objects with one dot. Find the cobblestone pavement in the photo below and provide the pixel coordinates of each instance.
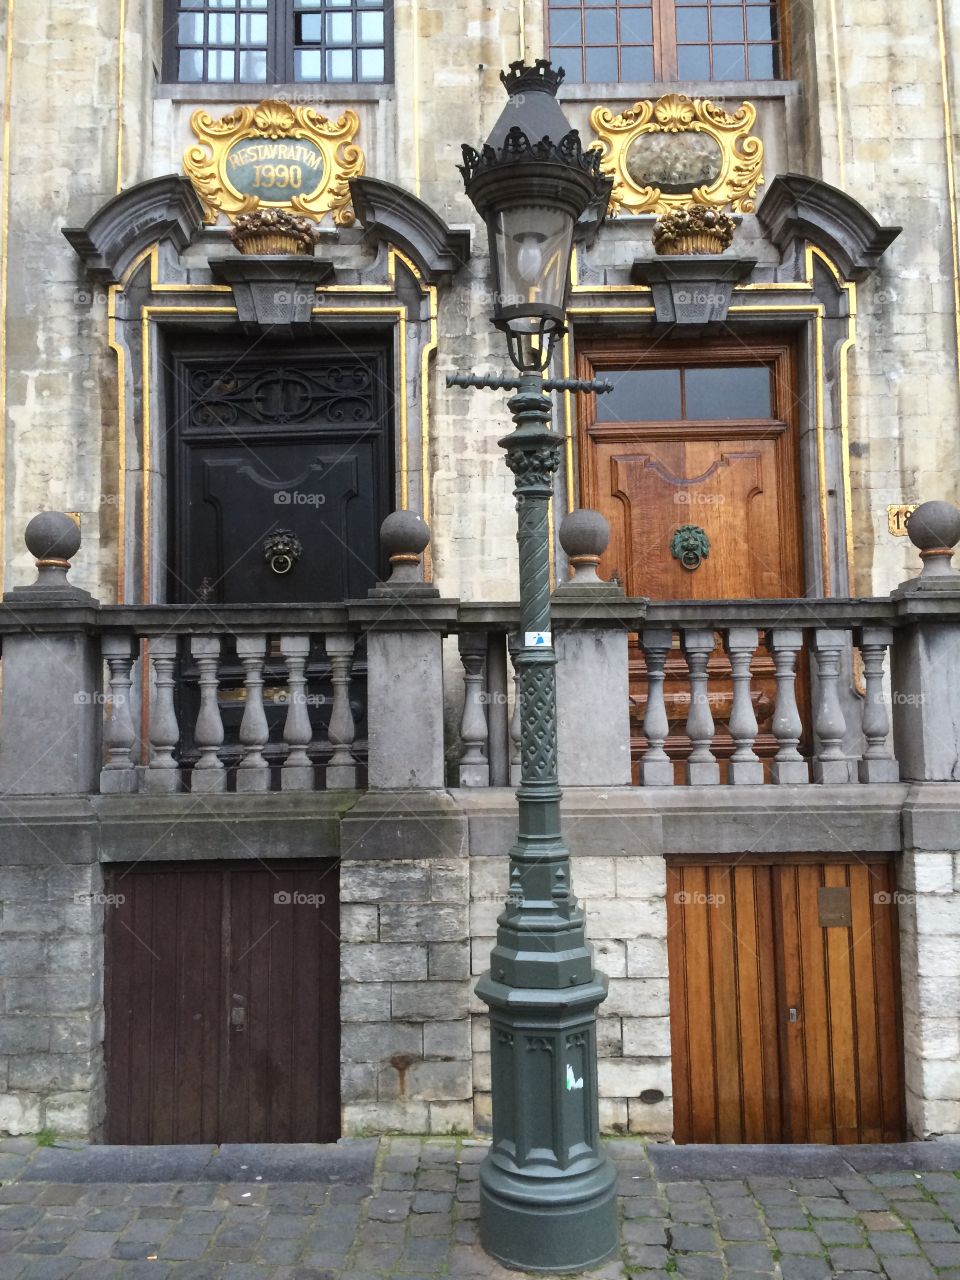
(419, 1219)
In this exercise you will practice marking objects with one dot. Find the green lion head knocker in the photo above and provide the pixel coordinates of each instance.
(690, 545)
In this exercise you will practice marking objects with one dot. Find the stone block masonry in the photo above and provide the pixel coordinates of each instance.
(405, 992)
(51, 984)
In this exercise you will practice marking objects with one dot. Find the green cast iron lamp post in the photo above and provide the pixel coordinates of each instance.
(547, 1189)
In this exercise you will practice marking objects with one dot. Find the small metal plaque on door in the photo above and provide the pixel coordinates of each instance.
(833, 905)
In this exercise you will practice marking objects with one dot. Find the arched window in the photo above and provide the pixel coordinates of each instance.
(609, 41)
(277, 41)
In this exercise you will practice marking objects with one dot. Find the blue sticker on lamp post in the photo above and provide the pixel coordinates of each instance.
(537, 639)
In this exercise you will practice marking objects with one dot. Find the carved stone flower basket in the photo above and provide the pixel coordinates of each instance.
(693, 230)
(274, 232)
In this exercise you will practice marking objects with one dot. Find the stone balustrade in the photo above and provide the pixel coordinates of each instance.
(209, 699)
(244, 700)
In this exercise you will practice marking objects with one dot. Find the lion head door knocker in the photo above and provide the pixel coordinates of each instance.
(282, 550)
(690, 545)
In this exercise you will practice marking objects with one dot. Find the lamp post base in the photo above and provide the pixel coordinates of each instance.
(553, 1223)
(547, 1188)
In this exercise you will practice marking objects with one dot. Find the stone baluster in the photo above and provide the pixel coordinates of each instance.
(656, 767)
(253, 771)
(341, 767)
(162, 775)
(830, 764)
(209, 775)
(119, 773)
(746, 767)
(474, 767)
(297, 773)
(789, 766)
(514, 645)
(702, 768)
(878, 764)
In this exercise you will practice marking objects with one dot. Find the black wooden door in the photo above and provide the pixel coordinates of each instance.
(222, 1003)
(275, 440)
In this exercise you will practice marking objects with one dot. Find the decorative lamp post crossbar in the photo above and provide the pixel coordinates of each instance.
(488, 382)
(547, 1188)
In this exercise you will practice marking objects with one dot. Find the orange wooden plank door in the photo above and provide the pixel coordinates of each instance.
(785, 1003)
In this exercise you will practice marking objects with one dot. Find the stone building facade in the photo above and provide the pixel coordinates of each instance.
(114, 291)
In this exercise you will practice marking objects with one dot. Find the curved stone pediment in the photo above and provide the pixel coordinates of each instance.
(391, 214)
(159, 209)
(798, 207)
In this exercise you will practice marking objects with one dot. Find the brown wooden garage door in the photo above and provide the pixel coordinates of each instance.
(222, 1003)
(785, 1001)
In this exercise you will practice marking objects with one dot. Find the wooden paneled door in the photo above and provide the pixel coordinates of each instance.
(222, 1003)
(785, 1001)
(701, 435)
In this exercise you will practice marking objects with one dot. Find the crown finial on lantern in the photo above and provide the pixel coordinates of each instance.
(542, 77)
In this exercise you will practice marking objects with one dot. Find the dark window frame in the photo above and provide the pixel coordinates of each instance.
(664, 45)
(280, 45)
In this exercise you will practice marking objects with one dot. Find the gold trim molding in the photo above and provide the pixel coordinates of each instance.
(738, 163)
(315, 174)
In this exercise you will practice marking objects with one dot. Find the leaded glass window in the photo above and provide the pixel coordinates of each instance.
(277, 41)
(609, 41)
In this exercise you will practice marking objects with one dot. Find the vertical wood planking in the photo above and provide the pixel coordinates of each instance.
(718, 917)
(679, 1017)
(863, 942)
(790, 986)
(815, 1010)
(143, 1030)
(288, 929)
(743, 1072)
(840, 987)
(770, 1017)
(187, 946)
(700, 1016)
(887, 976)
(753, 1056)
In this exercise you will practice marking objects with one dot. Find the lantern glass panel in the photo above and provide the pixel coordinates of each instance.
(532, 246)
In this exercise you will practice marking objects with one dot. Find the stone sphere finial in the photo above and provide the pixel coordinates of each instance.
(934, 529)
(52, 538)
(404, 537)
(584, 536)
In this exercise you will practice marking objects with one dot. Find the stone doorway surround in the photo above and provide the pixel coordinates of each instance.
(166, 272)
